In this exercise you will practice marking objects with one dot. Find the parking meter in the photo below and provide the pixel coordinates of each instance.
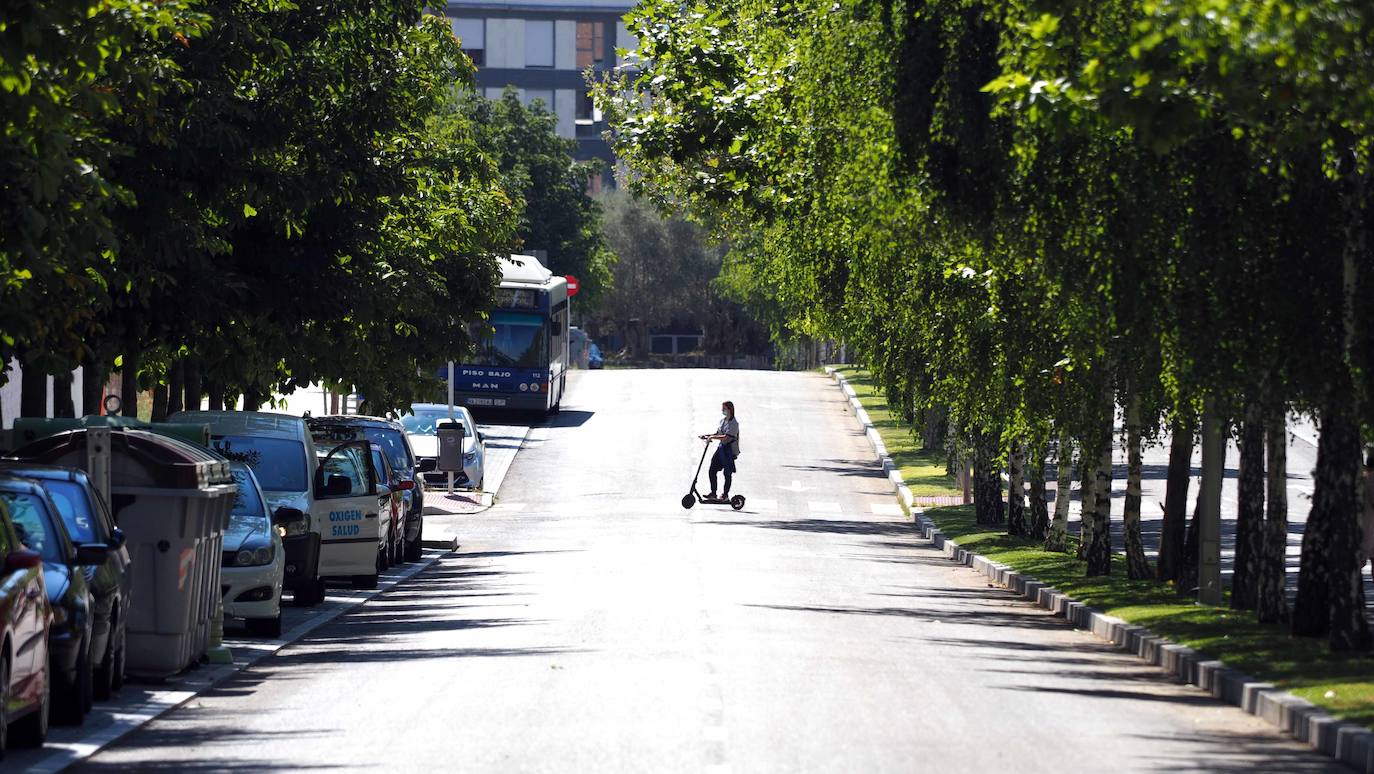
(451, 436)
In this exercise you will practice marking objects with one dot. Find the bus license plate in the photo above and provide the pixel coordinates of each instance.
(486, 401)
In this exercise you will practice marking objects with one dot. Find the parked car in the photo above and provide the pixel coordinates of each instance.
(279, 450)
(253, 561)
(404, 466)
(363, 524)
(25, 615)
(421, 426)
(391, 499)
(39, 528)
(88, 521)
(594, 358)
(321, 515)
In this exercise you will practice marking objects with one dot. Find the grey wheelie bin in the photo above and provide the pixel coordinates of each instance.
(172, 499)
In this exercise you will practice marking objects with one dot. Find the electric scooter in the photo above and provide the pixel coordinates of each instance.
(693, 497)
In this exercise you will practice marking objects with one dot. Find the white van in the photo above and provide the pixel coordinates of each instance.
(325, 500)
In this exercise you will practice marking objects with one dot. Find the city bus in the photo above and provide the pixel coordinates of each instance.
(521, 362)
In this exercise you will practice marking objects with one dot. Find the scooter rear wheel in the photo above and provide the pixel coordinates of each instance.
(737, 502)
(688, 501)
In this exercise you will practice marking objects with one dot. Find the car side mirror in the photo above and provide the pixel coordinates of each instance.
(89, 554)
(428, 465)
(286, 515)
(117, 539)
(23, 559)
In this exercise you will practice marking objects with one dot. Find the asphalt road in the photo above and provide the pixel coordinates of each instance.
(589, 623)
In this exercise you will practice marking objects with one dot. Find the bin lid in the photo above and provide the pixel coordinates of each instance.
(30, 429)
(138, 458)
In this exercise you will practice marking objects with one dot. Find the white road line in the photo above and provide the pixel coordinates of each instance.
(886, 509)
(823, 507)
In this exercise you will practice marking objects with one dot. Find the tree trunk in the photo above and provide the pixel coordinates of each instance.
(987, 494)
(214, 396)
(193, 389)
(1249, 510)
(62, 403)
(128, 383)
(33, 390)
(1087, 474)
(1273, 598)
(1188, 569)
(1058, 539)
(1100, 547)
(159, 413)
(176, 385)
(92, 387)
(1039, 505)
(1330, 593)
(1137, 566)
(1173, 532)
(932, 432)
(1016, 493)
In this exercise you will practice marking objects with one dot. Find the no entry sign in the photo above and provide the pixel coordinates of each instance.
(573, 285)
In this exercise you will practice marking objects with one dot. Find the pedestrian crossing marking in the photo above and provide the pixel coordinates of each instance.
(886, 509)
(823, 507)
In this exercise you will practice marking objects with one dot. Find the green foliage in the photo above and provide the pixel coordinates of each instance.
(538, 171)
(1030, 213)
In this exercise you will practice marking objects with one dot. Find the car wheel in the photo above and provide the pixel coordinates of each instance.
(265, 627)
(71, 702)
(414, 549)
(309, 594)
(105, 680)
(383, 555)
(32, 729)
(364, 581)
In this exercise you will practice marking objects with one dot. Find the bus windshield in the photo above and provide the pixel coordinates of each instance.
(518, 342)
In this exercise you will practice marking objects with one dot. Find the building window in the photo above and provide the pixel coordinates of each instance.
(472, 35)
(585, 108)
(538, 43)
(591, 44)
(540, 95)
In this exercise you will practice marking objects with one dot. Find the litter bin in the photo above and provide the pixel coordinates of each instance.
(172, 499)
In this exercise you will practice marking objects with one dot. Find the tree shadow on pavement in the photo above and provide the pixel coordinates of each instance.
(827, 526)
(1019, 618)
(1251, 754)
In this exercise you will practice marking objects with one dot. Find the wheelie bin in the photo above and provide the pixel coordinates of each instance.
(172, 499)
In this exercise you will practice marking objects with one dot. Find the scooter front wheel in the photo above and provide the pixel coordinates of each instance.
(688, 501)
(737, 502)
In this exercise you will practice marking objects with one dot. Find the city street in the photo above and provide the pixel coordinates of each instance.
(590, 623)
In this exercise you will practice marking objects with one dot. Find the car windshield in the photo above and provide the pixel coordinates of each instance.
(32, 522)
(517, 340)
(393, 443)
(75, 508)
(427, 421)
(278, 462)
(249, 514)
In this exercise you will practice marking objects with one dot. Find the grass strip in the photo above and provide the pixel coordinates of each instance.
(922, 470)
(1338, 682)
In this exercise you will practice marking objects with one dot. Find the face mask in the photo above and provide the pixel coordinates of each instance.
(724, 415)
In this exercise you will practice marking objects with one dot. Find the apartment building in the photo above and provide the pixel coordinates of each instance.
(543, 49)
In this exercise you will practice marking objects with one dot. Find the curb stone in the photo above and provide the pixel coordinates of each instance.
(1349, 743)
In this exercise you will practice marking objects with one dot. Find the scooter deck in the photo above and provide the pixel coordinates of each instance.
(715, 500)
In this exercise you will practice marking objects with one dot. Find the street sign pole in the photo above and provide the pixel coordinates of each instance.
(450, 415)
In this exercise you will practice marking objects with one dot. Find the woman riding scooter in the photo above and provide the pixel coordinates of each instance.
(724, 459)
